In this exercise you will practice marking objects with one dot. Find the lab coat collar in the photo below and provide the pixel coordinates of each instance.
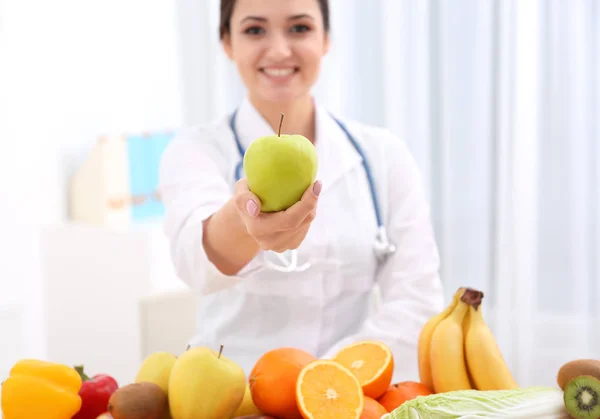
(334, 150)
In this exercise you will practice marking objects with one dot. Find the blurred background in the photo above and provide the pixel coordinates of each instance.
(498, 100)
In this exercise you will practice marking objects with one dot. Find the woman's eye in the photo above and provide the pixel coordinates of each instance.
(300, 28)
(254, 30)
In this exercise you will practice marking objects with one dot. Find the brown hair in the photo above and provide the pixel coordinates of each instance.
(227, 7)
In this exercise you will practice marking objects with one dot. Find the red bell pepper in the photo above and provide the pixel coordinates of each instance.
(95, 392)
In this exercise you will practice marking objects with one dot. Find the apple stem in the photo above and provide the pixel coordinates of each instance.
(220, 351)
(280, 123)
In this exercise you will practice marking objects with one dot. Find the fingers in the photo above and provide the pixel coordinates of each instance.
(297, 239)
(309, 198)
(293, 217)
(288, 241)
(246, 202)
(278, 230)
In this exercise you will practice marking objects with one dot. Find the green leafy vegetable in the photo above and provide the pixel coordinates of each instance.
(531, 403)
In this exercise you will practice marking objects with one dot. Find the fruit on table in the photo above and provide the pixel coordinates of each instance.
(258, 416)
(205, 384)
(373, 364)
(40, 389)
(486, 365)
(401, 392)
(273, 381)
(575, 368)
(582, 397)
(156, 368)
(326, 389)
(279, 168)
(137, 401)
(424, 342)
(247, 407)
(448, 363)
(372, 409)
(95, 393)
(457, 350)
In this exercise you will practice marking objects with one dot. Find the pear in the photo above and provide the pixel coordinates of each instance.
(280, 168)
(156, 368)
(205, 384)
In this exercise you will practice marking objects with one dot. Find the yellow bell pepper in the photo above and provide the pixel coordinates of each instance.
(38, 389)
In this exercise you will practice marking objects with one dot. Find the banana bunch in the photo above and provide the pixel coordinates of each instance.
(457, 350)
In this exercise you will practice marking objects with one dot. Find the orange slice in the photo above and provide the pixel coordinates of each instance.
(373, 364)
(327, 390)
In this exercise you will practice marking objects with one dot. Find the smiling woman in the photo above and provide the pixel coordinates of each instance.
(277, 48)
(342, 233)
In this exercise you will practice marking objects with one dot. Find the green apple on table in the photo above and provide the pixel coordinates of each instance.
(279, 168)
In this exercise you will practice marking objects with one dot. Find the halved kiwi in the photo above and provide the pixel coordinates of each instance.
(582, 397)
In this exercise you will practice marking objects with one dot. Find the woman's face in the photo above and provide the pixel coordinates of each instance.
(277, 46)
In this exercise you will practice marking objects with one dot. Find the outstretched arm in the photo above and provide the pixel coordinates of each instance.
(210, 246)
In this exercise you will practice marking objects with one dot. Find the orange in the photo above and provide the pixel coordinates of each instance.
(372, 363)
(327, 390)
(273, 379)
(403, 391)
(372, 409)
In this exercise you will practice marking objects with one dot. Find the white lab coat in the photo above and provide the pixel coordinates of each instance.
(329, 305)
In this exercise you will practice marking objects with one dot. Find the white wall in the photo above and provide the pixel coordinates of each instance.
(70, 71)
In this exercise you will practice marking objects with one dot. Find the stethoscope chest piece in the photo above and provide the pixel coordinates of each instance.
(383, 248)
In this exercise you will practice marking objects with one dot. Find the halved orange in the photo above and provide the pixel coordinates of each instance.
(373, 364)
(327, 390)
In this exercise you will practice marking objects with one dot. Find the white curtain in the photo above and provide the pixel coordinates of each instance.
(499, 102)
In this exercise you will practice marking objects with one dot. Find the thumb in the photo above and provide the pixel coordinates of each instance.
(309, 199)
(246, 202)
(312, 193)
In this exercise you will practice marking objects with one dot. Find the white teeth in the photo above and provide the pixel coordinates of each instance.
(279, 72)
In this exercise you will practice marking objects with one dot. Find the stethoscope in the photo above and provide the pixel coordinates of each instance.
(383, 247)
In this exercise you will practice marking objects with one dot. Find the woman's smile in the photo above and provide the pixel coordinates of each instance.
(279, 74)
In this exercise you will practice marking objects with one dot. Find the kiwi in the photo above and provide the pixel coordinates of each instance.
(142, 400)
(582, 397)
(576, 368)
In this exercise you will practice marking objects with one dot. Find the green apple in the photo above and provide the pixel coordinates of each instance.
(279, 169)
(205, 384)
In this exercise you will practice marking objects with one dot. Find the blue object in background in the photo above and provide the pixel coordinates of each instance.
(144, 154)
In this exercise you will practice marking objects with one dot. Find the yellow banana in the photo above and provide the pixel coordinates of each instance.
(424, 344)
(448, 364)
(485, 362)
(465, 326)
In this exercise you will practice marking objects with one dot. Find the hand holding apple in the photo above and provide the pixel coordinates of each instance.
(278, 231)
(280, 168)
(277, 200)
